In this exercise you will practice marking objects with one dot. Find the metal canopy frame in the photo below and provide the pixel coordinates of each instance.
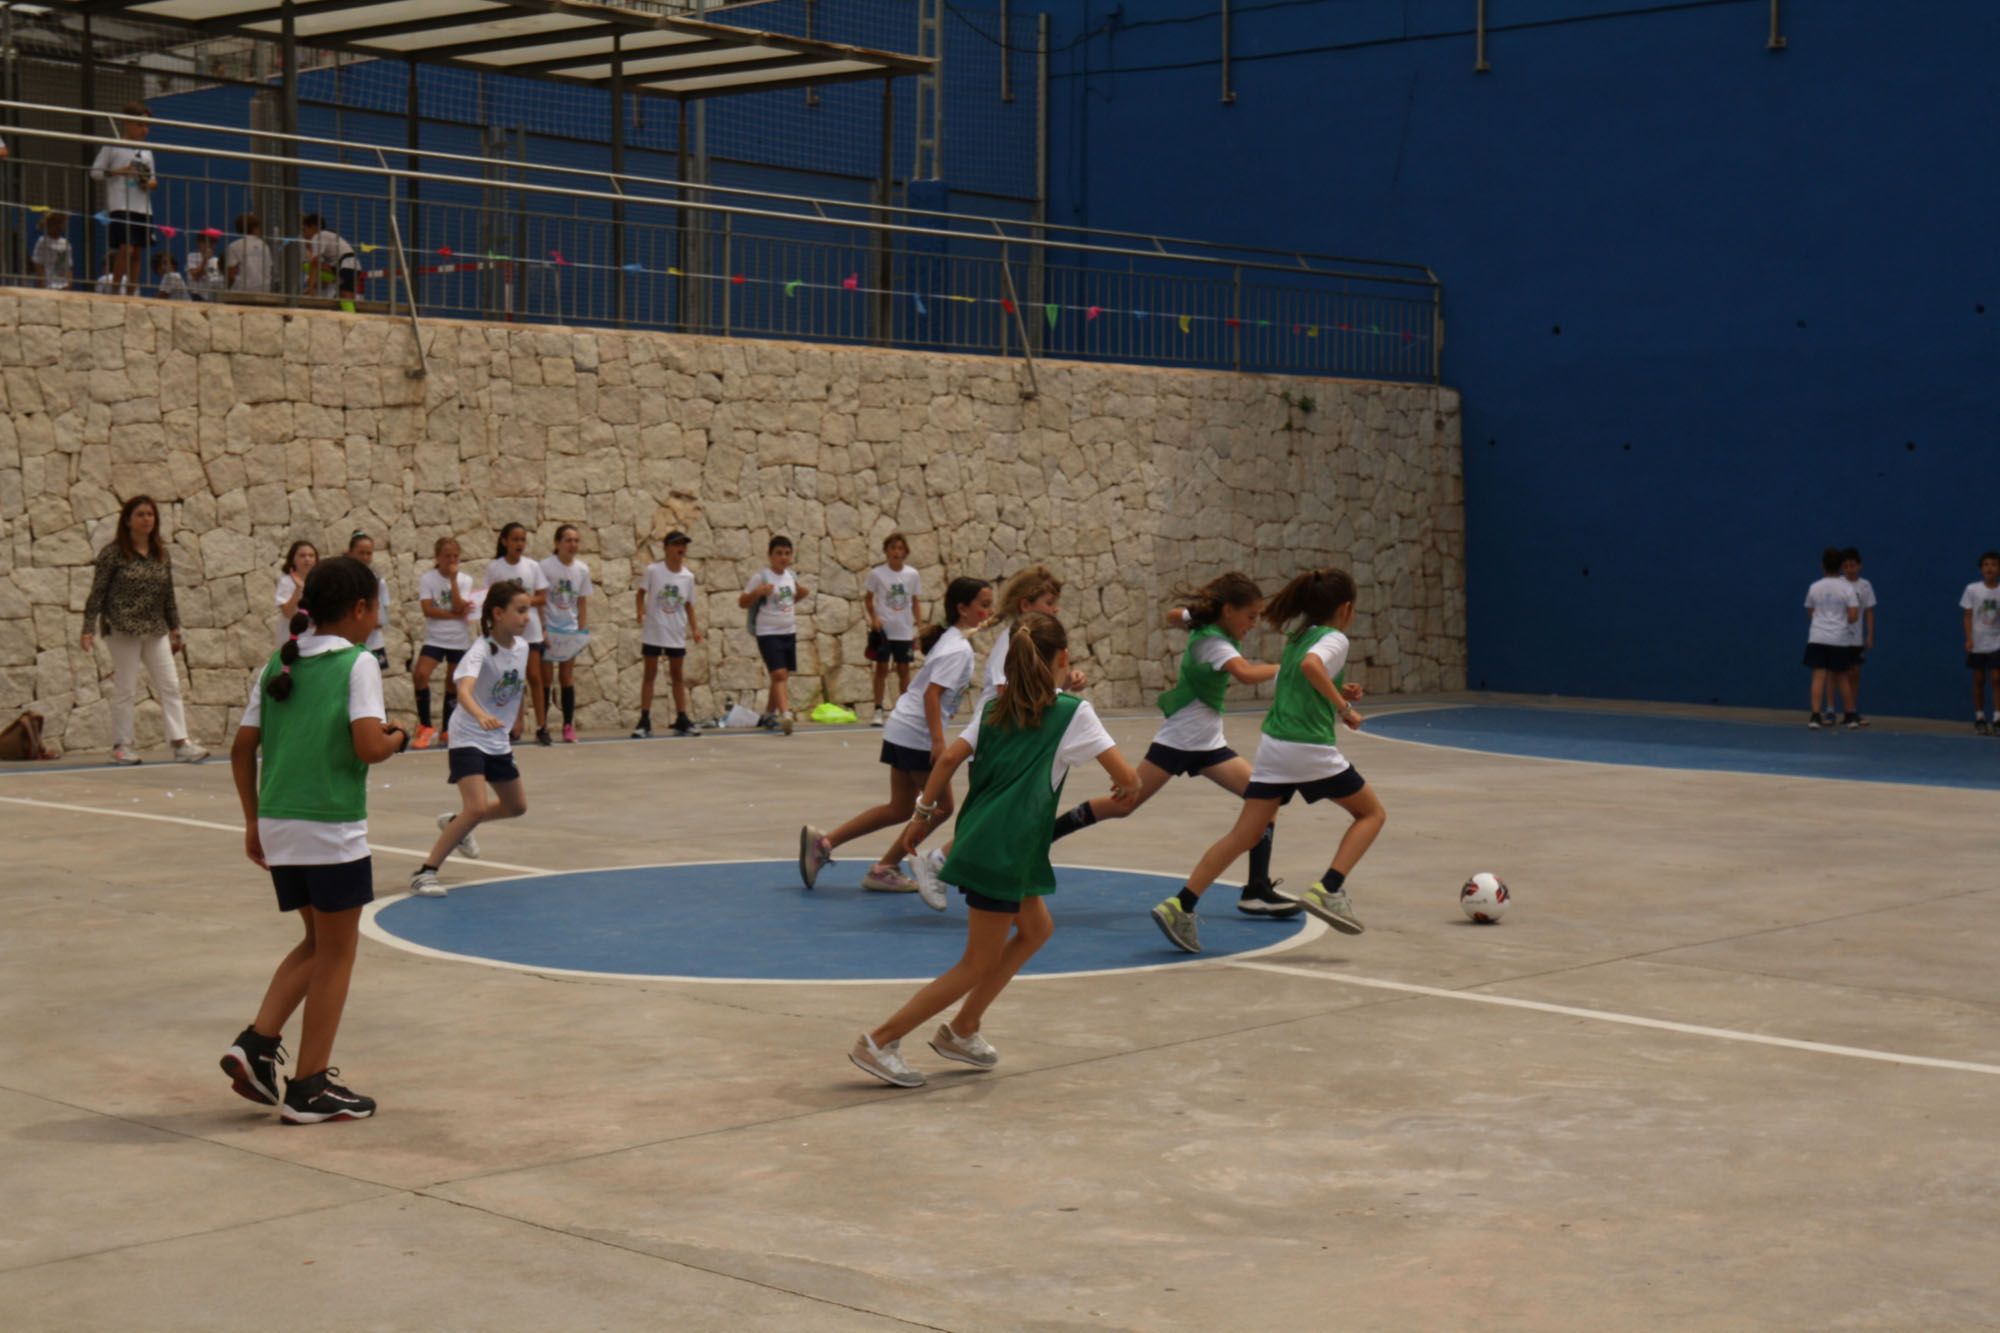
(566, 41)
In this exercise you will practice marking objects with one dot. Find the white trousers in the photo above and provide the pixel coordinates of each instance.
(128, 653)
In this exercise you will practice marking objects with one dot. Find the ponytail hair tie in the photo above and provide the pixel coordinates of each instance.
(281, 684)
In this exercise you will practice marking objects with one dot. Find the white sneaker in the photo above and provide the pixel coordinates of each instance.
(881, 718)
(424, 884)
(888, 879)
(468, 846)
(187, 752)
(974, 1050)
(884, 1062)
(925, 867)
(786, 723)
(123, 755)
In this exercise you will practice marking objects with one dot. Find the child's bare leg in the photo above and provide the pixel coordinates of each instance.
(1251, 821)
(537, 688)
(1369, 817)
(1818, 689)
(647, 672)
(288, 984)
(1151, 778)
(1978, 692)
(985, 939)
(1850, 687)
(472, 810)
(677, 674)
(900, 848)
(780, 693)
(881, 682)
(902, 677)
(326, 993)
(1032, 929)
(904, 788)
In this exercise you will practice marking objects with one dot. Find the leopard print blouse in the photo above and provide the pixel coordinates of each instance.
(131, 595)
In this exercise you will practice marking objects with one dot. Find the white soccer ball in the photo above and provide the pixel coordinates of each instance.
(1484, 898)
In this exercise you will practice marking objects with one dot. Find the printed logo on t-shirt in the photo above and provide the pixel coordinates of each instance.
(782, 596)
(670, 598)
(899, 597)
(508, 688)
(1987, 613)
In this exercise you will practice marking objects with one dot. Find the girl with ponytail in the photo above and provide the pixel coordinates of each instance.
(1035, 589)
(510, 563)
(1218, 614)
(1021, 749)
(1298, 755)
(490, 681)
(317, 720)
(912, 741)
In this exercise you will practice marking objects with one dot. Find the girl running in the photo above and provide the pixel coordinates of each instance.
(1218, 614)
(510, 562)
(445, 595)
(1022, 749)
(362, 547)
(569, 611)
(483, 731)
(316, 717)
(299, 561)
(1299, 755)
(1036, 590)
(913, 741)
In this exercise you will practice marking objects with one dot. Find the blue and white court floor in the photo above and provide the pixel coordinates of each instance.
(1731, 1061)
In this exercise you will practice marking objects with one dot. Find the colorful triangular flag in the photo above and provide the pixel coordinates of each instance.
(852, 282)
(1185, 321)
(1007, 304)
(792, 287)
(922, 309)
(556, 258)
(1051, 312)
(1092, 313)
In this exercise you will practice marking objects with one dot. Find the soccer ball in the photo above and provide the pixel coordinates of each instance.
(1484, 898)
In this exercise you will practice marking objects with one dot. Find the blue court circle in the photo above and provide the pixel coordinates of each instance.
(754, 921)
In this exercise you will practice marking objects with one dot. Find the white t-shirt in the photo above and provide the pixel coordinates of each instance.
(896, 592)
(1303, 761)
(1197, 728)
(567, 583)
(286, 589)
(1984, 603)
(778, 614)
(669, 593)
(331, 253)
(55, 258)
(529, 574)
(204, 276)
(453, 633)
(312, 842)
(251, 259)
(123, 194)
(1828, 600)
(375, 639)
(996, 672)
(949, 664)
(501, 678)
(1083, 740)
(1857, 633)
(173, 287)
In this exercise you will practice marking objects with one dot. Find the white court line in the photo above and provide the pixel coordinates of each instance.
(1629, 1020)
(238, 829)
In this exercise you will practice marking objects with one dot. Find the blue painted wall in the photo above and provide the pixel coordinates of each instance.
(1711, 307)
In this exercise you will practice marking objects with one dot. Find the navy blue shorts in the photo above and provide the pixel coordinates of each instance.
(1983, 661)
(900, 651)
(1336, 788)
(979, 902)
(334, 888)
(656, 650)
(780, 651)
(469, 761)
(448, 656)
(903, 757)
(1830, 656)
(129, 228)
(1180, 763)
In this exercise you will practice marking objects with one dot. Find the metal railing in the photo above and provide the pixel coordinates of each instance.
(461, 236)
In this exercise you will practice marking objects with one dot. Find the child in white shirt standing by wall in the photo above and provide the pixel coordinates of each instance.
(510, 561)
(569, 613)
(892, 597)
(772, 597)
(1834, 607)
(1981, 606)
(667, 624)
(1860, 638)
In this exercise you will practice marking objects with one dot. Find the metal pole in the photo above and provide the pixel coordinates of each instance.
(681, 214)
(413, 137)
(1776, 41)
(1479, 65)
(1006, 65)
(423, 366)
(617, 170)
(885, 309)
(1229, 93)
(288, 110)
(1039, 257)
(812, 93)
(85, 234)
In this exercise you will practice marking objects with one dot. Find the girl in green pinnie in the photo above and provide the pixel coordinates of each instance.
(1022, 748)
(1299, 755)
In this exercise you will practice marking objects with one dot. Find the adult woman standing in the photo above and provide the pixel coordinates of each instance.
(133, 596)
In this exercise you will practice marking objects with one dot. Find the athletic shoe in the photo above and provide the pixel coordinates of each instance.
(884, 1062)
(252, 1065)
(888, 879)
(122, 755)
(881, 719)
(1860, 721)
(425, 735)
(930, 887)
(316, 1100)
(1979, 728)
(424, 884)
(683, 726)
(785, 724)
(1852, 722)
(815, 854)
(1177, 924)
(468, 846)
(569, 733)
(974, 1050)
(1264, 900)
(542, 736)
(1333, 908)
(187, 752)
(1826, 718)
(1812, 720)
(644, 731)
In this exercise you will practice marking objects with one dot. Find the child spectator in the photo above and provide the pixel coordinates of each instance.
(331, 268)
(1860, 637)
(173, 287)
(892, 596)
(772, 597)
(667, 624)
(1834, 606)
(246, 263)
(53, 260)
(127, 172)
(204, 270)
(1981, 604)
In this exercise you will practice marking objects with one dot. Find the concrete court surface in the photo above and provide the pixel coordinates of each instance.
(1275, 1144)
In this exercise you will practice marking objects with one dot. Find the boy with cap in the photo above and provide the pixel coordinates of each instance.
(667, 623)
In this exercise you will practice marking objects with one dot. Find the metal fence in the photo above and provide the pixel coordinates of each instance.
(471, 237)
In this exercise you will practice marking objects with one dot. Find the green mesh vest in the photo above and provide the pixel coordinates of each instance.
(1001, 841)
(310, 768)
(1198, 680)
(1298, 711)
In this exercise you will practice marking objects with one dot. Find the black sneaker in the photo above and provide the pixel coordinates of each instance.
(316, 1100)
(252, 1065)
(1812, 720)
(1263, 899)
(1826, 718)
(644, 731)
(684, 727)
(1852, 722)
(542, 736)
(1979, 727)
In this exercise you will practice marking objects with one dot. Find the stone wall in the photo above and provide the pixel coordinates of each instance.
(253, 429)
